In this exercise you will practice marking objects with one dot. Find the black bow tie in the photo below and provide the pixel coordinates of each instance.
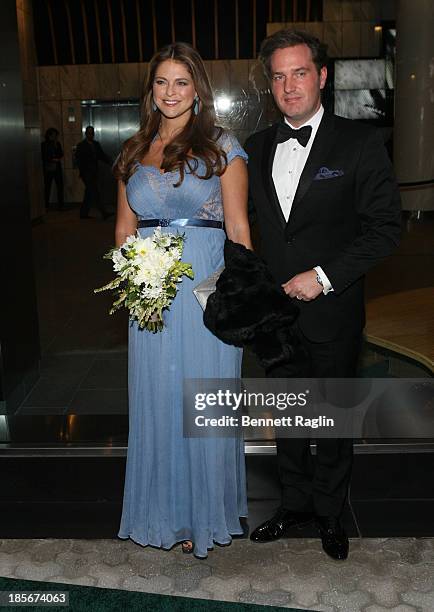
(285, 132)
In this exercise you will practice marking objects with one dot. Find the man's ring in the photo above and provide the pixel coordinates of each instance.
(299, 298)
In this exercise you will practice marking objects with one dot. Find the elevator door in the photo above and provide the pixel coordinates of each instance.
(114, 122)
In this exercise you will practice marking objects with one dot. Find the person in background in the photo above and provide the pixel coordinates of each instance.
(88, 154)
(52, 153)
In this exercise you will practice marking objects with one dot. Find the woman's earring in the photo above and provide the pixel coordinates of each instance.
(154, 106)
(196, 105)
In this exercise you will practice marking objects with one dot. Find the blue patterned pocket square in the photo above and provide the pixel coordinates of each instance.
(325, 173)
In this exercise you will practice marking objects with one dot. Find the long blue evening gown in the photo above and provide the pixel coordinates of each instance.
(180, 488)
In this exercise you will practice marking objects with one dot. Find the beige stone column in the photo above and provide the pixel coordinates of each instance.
(414, 103)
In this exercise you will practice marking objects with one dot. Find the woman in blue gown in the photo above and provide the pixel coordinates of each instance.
(179, 169)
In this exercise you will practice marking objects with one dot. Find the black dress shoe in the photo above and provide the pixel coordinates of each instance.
(334, 539)
(279, 524)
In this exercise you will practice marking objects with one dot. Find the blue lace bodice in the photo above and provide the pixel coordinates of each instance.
(152, 195)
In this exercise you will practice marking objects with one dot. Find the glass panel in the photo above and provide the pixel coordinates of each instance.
(361, 104)
(360, 74)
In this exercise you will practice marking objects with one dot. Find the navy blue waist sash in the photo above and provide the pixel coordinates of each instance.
(180, 223)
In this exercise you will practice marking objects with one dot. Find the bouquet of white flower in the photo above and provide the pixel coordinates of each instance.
(148, 271)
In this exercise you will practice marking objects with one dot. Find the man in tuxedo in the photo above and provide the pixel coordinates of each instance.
(327, 210)
(88, 154)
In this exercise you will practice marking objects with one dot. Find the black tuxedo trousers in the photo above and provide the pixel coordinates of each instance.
(318, 484)
(345, 218)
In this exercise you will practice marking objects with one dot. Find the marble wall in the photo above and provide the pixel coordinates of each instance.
(31, 106)
(243, 101)
(61, 90)
(348, 26)
(239, 83)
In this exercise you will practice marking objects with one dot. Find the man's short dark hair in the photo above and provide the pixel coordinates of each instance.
(51, 132)
(290, 38)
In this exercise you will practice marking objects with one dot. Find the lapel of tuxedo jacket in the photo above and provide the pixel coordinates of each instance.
(269, 149)
(317, 157)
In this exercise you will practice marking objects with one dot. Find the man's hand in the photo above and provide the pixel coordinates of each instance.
(303, 286)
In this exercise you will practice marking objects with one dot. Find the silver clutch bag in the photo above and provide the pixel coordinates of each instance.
(203, 290)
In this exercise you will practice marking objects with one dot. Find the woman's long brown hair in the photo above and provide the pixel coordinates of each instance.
(198, 138)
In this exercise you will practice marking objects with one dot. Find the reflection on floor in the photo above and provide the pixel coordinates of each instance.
(84, 351)
(83, 369)
(80, 383)
(404, 322)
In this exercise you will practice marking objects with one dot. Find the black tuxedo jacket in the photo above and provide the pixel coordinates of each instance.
(87, 156)
(345, 218)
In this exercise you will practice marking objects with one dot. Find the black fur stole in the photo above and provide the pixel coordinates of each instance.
(249, 309)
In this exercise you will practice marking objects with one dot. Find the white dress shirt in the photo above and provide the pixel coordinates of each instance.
(289, 161)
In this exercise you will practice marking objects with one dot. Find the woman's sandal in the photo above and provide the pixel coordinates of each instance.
(187, 547)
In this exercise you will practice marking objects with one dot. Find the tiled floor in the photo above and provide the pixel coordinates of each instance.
(381, 574)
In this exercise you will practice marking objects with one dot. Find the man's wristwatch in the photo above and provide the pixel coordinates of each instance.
(319, 280)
